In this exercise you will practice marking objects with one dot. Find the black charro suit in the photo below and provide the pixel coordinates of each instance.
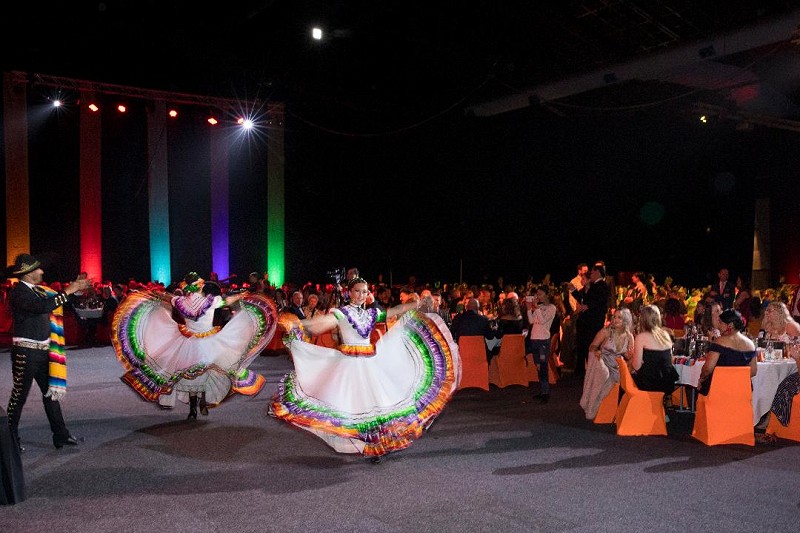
(31, 313)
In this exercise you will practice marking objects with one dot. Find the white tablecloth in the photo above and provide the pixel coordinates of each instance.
(765, 382)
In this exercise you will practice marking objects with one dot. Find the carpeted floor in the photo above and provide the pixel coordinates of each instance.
(493, 461)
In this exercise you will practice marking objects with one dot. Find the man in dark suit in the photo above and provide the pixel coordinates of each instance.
(296, 305)
(471, 322)
(592, 308)
(725, 290)
(31, 305)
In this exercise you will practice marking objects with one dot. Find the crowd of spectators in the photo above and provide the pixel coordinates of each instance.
(503, 303)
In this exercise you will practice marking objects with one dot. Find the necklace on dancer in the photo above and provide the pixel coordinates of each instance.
(362, 321)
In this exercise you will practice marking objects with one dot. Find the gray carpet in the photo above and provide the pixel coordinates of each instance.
(493, 461)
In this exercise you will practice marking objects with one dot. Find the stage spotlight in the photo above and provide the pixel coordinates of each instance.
(121, 108)
(703, 119)
(212, 121)
(57, 103)
(173, 113)
(93, 108)
(246, 123)
(316, 33)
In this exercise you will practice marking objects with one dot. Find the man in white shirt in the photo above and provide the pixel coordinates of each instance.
(578, 282)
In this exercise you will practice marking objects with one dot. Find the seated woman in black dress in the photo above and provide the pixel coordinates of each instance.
(731, 348)
(652, 354)
(510, 316)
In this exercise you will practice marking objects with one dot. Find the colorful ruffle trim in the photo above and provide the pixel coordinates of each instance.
(387, 432)
(149, 382)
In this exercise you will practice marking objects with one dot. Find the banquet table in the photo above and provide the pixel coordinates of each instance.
(765, 382)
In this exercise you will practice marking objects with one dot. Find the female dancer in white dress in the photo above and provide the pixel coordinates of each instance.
(364, 398)
(165, 359)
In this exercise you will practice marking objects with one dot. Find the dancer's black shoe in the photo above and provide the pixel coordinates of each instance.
(60, 442)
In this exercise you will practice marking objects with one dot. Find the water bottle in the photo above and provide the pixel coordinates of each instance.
(769, 351)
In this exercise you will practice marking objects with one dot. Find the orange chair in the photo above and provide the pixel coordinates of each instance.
(326, 339)
(607, 411)
(509, 366)
(792, 431)
(639, 412)
(725, 415)
(474, 367)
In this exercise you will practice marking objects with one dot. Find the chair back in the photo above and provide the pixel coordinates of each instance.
(474, 366)
(513, 345)
(730, 384)
(725, 414)
(509, 366)
(625, 377)
(639, 412)
(326, 339)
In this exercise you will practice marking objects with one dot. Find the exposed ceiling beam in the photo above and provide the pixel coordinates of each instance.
(744, 117)
(655, 67)
(46, 80)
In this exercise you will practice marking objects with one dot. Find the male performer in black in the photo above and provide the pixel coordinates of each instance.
(31, 306)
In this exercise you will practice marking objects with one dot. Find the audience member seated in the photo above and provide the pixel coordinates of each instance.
(731, 348)
(602, 372)
(709, 323)
(471, 322)
(673, 319)
(784, 396)
(743, 296)
(652, 354)
(754, 323)
(778, 324)
(312, 308)
(510, 317)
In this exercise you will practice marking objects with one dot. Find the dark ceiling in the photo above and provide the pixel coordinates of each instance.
(385, 59)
